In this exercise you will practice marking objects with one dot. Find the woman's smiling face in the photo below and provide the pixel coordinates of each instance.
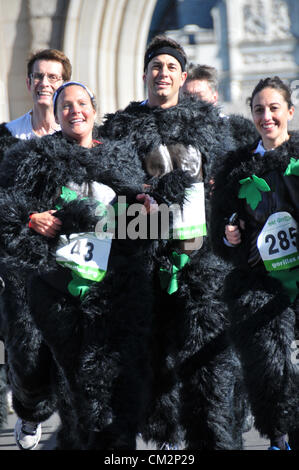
(75, 114)
(271, 113)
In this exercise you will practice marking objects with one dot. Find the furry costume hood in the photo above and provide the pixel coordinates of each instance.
(243, 162)
(242, 129)
(53, 154)
(191, 122)
(236, 166)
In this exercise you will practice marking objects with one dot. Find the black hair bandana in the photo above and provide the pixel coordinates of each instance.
(166, 50)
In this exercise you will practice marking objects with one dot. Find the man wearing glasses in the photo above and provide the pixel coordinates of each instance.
(46, 71)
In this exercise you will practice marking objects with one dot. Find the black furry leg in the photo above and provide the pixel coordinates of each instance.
(209, 368)
(3, 392)
(208, 411)
(120, 353)
(71, 435)
(30, 364)
(197, 382)
(64, 343)
(112, 438)
(102, 350)
(162, 419)
(263, 331)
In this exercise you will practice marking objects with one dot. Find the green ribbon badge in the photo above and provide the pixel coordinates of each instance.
(169, 279)
(293, 167)
(66, 195)
(78, 286)
(251, 189)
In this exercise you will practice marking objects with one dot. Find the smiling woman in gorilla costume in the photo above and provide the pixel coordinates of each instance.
(95, 328)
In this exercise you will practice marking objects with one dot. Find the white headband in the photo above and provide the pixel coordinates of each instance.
(59, 90)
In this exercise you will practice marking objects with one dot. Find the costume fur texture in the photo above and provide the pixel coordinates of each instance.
(264, 321)
(100, 345)
(195, 369)
(6, 140)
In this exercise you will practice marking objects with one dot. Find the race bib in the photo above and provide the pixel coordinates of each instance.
(191, 221)
(85, 254)
(277, 242)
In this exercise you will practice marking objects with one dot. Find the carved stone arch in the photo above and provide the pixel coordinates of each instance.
(105, 41)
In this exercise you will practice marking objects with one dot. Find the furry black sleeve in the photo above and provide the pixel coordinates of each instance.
(15, 157)
(170, 188)
(25, 249)
(116, 164)
(243, 130)
(78, 216)
(7, 140)
(223, 204)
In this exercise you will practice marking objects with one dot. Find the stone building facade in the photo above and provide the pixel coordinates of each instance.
(105, 41)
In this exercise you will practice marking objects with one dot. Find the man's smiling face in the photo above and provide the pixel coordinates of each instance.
(42, 90)
(164, 78)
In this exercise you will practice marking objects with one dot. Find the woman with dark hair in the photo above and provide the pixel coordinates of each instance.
(89, 296)
(254, 224)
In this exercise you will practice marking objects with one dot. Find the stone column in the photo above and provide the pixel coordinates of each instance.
(46, 23)
(105, 40)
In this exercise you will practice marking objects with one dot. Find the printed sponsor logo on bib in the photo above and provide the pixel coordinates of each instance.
(191, 221)
(277, 242)
(85, 254)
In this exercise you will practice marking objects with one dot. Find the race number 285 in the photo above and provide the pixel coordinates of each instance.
(281, 241)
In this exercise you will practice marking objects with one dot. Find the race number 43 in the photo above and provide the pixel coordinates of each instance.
(84, 253)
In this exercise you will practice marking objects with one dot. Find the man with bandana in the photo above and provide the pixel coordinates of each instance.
(196, 390)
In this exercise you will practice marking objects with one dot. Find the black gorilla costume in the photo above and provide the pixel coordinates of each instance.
(6, 141)
(100, 377)
(264, 310)
(197, 395)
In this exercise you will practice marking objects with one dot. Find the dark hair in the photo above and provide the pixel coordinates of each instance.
(162, 41)
(51, 54)
(203, 72)
(73, 83)
(272, 82)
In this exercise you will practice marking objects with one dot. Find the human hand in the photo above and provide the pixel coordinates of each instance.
(149, 203)
(45, 223)
(233, 233)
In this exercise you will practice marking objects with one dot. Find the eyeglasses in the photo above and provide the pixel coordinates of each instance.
(38, 77)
